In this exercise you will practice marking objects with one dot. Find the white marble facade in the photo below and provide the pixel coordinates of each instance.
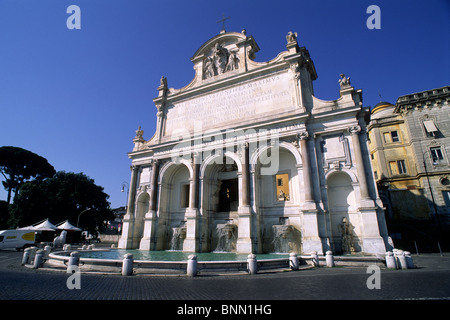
(247, 144)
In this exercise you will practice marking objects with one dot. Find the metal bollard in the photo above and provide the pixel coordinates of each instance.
(390, 260)
(293, 261)
(73, 261)
(192, 266)
(26, 256)
(315, 259)
(252, 264)
(329, 259)
(38, 259)
(409, 260)
(127, 264)
(402, 259)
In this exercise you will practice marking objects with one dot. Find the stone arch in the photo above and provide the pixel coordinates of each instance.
(342, 204)
(142, 207)
(220, 187)
(272, 209)
(173, 199)
(285, 145)
(211, 158)
(170, 165)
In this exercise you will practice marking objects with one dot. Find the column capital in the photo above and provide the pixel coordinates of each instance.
(354, 129)
(304, 135)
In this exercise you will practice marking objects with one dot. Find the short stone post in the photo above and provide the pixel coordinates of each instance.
(47, 250)
(293, 261)
(73, 261)
(252, 264)
(26, 256)
(330, 259)
(192, 266)
(409, 260)
(397, 262)
(402, 260)
(315, 259)
(127, 264)
(32, 253)
(38, 259)
(390, 260)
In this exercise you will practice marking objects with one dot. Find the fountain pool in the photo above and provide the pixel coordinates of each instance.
(117, 254)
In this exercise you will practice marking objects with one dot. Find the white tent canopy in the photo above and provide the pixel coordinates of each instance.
(44, 225)
(66, 225)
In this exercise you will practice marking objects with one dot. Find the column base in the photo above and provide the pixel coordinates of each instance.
(244, 242)
(191, 242)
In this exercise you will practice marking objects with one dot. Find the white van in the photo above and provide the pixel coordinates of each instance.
(19, 239)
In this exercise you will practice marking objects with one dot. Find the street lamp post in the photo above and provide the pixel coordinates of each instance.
(431, 191)
(125, 185)
(78, 220)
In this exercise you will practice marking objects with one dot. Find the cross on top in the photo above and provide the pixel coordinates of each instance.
(223, 22)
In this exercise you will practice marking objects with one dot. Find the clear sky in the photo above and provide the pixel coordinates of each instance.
(76, 97)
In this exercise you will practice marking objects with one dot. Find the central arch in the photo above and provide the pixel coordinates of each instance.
(221, 186)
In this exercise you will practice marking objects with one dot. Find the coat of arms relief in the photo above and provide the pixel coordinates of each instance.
(220, 61)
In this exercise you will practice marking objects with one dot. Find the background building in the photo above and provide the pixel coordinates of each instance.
(409, 146)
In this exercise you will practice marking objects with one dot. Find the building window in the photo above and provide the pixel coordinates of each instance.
(394, 135)
(397, 167)
(430, 128)
(376, 175)
(282, 183)
(401, 166)
(184, 196)
(446, 195)
(436, 154)
(391, 136)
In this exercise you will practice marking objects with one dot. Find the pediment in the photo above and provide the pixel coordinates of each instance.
(225, 53)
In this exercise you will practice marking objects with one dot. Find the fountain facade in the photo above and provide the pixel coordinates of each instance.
(257, 156)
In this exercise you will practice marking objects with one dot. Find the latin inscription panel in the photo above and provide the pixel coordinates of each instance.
(244, 103)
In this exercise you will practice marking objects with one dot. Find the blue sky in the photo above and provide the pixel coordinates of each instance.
(76, 97)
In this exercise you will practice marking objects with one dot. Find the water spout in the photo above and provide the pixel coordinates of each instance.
(178, 236)
(282, 238)
(227, 236)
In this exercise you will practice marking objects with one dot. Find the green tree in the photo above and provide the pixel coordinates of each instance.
(4, 215)
(63, 196)
(18, 165)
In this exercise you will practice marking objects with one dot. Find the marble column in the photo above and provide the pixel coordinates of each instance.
(147, 242)
(244, 241)
(307, 180)
(372, 242)
(126, 239)
(191, 243)
(364, 190)
(310, 237)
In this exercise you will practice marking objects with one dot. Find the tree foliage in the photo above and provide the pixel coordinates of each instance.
(18, 165)
(63, 196)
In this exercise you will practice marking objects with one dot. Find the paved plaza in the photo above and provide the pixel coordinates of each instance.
(430, 280)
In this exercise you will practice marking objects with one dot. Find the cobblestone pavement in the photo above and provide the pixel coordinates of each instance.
(431, 280)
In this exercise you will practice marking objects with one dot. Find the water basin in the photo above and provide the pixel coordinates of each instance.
(117, 254)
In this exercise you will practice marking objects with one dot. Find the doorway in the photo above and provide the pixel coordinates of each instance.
(228, 195)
